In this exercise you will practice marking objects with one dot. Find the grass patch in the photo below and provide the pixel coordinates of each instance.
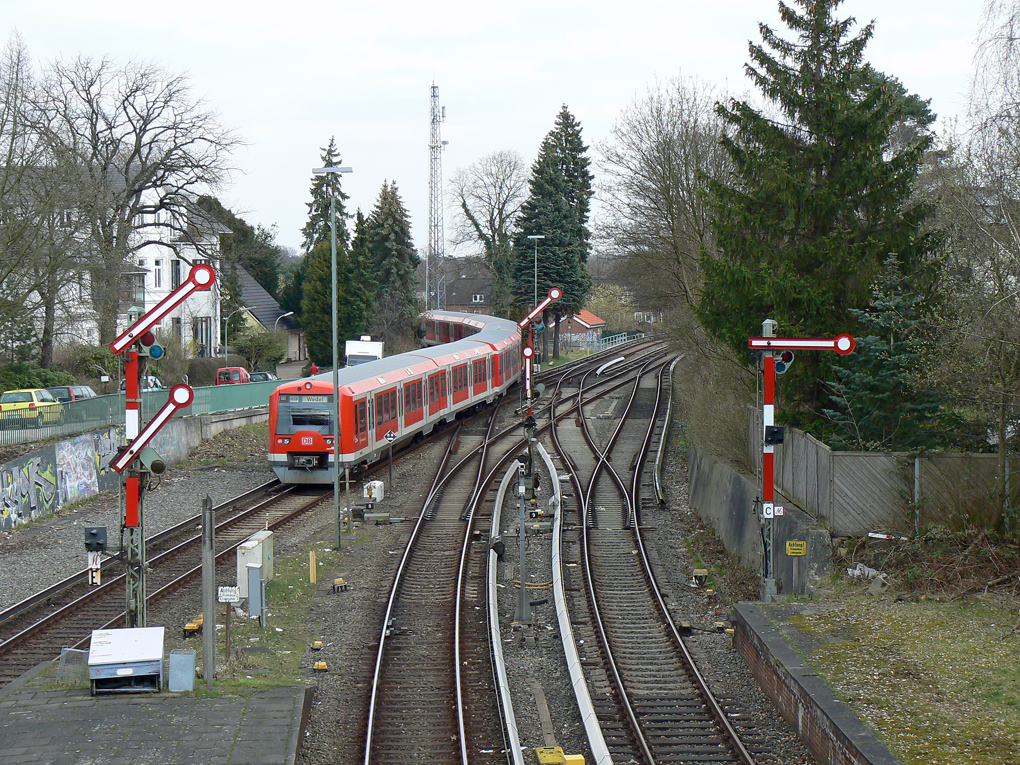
(270, 656)
(245, 445)
(938, 682)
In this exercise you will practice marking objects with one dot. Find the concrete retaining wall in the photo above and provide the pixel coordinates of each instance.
(37, 483)
(828, 728)
(725, 500)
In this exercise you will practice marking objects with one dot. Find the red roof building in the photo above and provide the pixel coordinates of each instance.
(583, 326)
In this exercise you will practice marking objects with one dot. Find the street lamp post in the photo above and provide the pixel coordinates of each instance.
(281, 316)
(336, 355)
(226, 326)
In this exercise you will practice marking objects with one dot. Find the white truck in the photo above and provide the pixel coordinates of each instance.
(361, 351)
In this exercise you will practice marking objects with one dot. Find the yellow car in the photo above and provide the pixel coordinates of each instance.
(29, 406)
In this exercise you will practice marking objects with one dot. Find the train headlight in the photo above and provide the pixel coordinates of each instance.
(282, 441)
(328, 440)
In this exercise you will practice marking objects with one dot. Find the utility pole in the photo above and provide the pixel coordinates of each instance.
(435, 278)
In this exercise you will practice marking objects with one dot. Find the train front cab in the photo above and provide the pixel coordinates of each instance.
(301, 429)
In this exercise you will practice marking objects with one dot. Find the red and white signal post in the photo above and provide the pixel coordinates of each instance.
(768, 345)
(137, 340)
(527, 474)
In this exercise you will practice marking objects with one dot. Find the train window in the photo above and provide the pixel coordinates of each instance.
(442, 386)
(361, 422)
(420, 390)
(293, 416)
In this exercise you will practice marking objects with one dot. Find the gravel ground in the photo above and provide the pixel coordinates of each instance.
(52, 549)
(348, 622)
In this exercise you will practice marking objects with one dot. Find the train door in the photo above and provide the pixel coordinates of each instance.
(460, 385)
(386, 413)
(414, 402)
(360, 425)
(479, 376)
(437, 392)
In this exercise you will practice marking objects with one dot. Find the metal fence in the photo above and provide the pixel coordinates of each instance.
(106, 411)
(897, 492)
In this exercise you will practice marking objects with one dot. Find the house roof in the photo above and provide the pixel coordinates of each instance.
(260, 304)
(587, 319)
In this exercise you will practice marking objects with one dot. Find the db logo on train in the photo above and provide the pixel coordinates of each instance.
(306, 440)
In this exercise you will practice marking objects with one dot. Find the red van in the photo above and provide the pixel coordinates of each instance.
(230, 375)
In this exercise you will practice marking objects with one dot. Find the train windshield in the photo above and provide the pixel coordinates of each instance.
(304, 412)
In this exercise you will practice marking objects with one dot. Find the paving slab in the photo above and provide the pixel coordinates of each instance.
(41, 722)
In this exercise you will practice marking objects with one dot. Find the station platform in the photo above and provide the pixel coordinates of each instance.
(40, 722)
(766, 637)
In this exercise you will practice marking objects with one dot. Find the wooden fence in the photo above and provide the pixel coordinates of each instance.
(889, 492)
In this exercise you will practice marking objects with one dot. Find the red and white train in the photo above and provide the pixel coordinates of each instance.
(472, 359)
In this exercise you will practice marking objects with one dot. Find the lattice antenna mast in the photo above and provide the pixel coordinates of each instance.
(435, 276)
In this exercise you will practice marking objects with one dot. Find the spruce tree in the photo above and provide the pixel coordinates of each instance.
(570, 153)
(315, 272)
(324, 188)
(877, 399)
(394, 265)
(317, 299)
(548, 212)
(820, 194)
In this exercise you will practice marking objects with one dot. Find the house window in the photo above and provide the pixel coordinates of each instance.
(175, 274)
(201, 332)
(478, 298)
(175, 328)
(138, 289)
(157, 274)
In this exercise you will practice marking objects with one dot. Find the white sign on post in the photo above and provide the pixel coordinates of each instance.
(228, 594)
(779, 510)
(766, 509)
(94, 560)
(390, 436)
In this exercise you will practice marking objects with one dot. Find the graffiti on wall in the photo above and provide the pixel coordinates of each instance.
(40, 482)
(76, 469)
(28, 487)
(105, 444)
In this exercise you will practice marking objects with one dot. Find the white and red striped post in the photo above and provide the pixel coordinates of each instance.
(132, 425)
(768, 344)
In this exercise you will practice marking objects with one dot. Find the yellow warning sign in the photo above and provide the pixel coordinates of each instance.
(796, 548)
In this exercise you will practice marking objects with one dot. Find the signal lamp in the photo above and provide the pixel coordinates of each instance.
(148, 346)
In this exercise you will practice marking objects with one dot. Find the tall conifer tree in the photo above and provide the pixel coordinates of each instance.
(820, 193)
(557, 209)
(315, 272)
(325, 187)
(394, 264)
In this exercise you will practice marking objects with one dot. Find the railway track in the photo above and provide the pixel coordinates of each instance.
(652, 703)
(432, 693)
(65, 615)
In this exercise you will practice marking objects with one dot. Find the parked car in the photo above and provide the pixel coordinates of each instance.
(29, 406)
(65, 393)
(263, 376)
(232, 375)
(149, 383)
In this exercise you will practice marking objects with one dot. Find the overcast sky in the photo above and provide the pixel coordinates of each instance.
(287, 76)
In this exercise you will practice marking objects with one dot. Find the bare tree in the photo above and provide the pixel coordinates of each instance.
(489, 195)
(652, 168)
(141, 146)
